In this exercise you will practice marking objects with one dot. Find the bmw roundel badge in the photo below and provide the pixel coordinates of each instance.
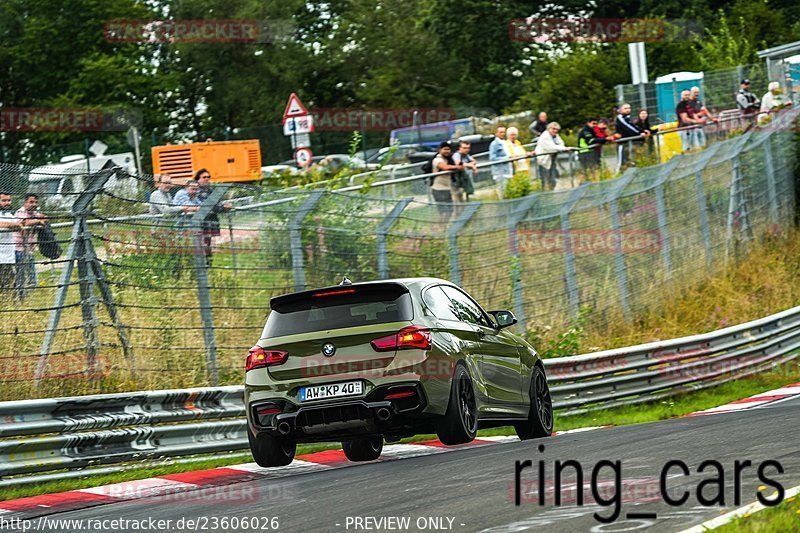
(328, 349)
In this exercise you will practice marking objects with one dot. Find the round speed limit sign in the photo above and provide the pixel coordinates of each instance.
(302, 156)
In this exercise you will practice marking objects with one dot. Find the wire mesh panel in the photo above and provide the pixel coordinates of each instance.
(142, 296)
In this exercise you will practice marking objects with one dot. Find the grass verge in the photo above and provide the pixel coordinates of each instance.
(649, 412)
(780, 519)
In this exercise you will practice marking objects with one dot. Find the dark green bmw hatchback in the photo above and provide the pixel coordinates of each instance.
(366, 362)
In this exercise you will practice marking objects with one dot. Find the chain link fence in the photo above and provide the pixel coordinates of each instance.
(147, 301)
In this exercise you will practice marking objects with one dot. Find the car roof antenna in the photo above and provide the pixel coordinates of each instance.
(345, 281)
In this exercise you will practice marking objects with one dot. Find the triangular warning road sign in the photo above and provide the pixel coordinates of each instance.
(294, 108)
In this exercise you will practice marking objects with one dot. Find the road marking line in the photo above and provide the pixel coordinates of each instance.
(749, 509)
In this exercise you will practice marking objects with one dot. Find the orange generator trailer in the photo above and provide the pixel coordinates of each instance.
(227, 161)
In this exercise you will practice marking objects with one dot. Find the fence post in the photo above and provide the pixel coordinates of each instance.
(570, 274)
(201, 270)
(619, 256)
(517, 289)
(296, 238)
(771, 191)
(76, 253)
(233, 243)
(452, 239)
(380, 236)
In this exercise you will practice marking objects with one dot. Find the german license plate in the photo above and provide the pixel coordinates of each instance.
(334, 390)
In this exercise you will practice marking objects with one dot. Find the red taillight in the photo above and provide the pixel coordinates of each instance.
(408, 338)
(269, 411)
(333, 293)
(399, 395)
(258, 357)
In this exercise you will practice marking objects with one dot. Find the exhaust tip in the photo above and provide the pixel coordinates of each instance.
(284, 428)
(383, 414)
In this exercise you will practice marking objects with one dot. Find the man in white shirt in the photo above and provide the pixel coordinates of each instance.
(30, 219)
(8, 225)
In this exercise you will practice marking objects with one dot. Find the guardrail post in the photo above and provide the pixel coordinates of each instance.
(380, 236)
(771, 191)
(452, 240)
(517, 289)
(201, 270)
(570, 274)
(296, 239)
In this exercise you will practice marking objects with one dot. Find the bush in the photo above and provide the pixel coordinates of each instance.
(518, 186)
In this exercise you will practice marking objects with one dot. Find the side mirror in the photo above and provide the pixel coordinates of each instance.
(504, 318)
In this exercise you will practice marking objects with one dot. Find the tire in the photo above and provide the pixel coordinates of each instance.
(540, 417)
(269, 451)
(459, 424)
(363, 449)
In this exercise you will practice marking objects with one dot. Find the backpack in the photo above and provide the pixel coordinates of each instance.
(48, 244)
(427, 166)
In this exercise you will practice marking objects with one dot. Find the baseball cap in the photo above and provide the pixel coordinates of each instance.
(746, 80)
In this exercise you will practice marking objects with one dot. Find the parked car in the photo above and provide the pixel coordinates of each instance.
(366, 362)
(398, 155)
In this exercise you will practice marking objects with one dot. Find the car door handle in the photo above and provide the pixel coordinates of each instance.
(481, 333)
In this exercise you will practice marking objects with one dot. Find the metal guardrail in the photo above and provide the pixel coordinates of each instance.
(70, 433)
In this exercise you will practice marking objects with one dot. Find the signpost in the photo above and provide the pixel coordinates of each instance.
(298, 124)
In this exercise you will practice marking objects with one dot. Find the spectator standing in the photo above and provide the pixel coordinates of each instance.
(548, 146)
(161, 203)
(538, 126)
(746, 101)
(515, 149)
(8, 224)
(774, 98)
(442, 185)
(463, 182)
(188, 195)
(25, 241)
(603, 136)
(687, 120)
(587, 141)
(211, 223)
(702, 113)
(498, 150)
(626, 129)
(643, 123)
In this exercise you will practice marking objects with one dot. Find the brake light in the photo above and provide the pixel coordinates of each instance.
(258, 357)
(269, 411)
(333, 293)
(408, 338)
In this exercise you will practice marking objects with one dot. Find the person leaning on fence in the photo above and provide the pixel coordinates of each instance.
(162, 203)
(746, 101)
(642, 122)
(548, 146)
(688, 122)
(498, 151)
(774, 99)
(442, 185)
(25, 240)
(463, 180)
(211, 223)
(516, 149)
(627, 130)
(700, 112)
(8, 225)
(587, 141)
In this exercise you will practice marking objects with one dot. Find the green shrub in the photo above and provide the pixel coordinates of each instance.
(518, 186)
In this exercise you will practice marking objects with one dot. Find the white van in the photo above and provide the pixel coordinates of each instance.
(57, 184)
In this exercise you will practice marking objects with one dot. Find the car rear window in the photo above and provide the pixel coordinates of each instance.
(338, 307)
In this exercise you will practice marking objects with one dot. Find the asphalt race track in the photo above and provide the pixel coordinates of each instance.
(473, 489)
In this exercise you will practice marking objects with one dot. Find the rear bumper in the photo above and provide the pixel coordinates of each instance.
(341, 419)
